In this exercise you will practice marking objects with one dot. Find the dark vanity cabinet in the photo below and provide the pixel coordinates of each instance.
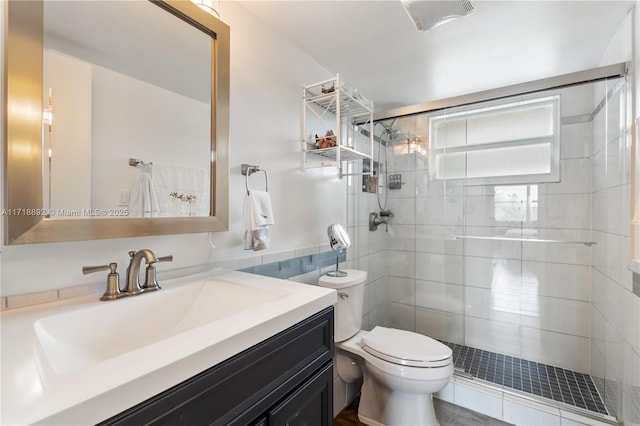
(284, 380)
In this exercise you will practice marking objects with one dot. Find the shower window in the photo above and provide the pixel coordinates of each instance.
(516, 204)
(511, 142)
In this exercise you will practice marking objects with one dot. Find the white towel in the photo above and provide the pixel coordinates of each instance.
(258, 216)
(186, 181)
(143, 201)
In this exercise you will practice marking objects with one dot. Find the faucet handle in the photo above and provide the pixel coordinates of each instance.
(113, 279)
(150, 281)
(168, 258)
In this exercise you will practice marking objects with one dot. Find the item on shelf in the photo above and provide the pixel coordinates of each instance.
(330, 139)
(328, 89)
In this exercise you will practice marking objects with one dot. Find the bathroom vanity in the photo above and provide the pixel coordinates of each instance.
(217, 347)
(287, 379)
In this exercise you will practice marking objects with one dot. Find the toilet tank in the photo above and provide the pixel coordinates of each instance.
(348, 308)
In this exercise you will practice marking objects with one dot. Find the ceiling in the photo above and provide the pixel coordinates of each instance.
(377, 49)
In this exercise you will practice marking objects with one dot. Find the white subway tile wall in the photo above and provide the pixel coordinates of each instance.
(556, 303)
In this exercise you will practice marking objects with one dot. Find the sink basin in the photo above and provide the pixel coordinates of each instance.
(75, 340)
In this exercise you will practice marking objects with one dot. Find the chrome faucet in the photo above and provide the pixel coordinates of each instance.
(132, 286)
(375, 221)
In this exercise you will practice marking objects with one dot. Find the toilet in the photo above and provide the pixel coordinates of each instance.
(400, 370)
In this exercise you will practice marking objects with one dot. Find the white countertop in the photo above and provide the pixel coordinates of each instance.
(33, 391)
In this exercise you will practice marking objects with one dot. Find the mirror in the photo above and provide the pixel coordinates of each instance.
(133, 135)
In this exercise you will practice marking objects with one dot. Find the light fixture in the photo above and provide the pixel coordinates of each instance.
(427, 14)
(209, 6)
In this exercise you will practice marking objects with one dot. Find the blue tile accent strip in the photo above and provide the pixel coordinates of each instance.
(636, 284)
(286, 269)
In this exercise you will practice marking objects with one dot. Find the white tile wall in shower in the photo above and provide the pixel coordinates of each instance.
(493, 248)
(437, 188)
(430, 323)
(439, 239)
(575, 100)
(607, 255)
(564, 211)
(613, 356)
(608, 165)
(439, 296)
(440, 268)
(407, 188)
(558, 279)
(489, 272)
(494, 336)
(365, 205)
(480, 211)
(401, 290)
(559, 349)
(454, 328)
(576, 140)
(377, 293)
(377, 240)
(598, 290)
(352, 211)
(502, 305)
(399, 160)
(377, 266)
(608, 216)
(422, 184)
(401, 316)
(615, 111)
(614, 305)
(362, 240)
(439, 211)
(378, 316)
(404, 211)
(401, 237)
(569, 253)
(575, 177)
(570, 317)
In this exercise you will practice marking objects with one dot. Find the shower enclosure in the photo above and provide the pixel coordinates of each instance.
(509, 237)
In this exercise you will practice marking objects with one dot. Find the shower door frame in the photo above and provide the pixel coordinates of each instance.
(620, 69)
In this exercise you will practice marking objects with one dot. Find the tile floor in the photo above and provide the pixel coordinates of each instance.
(448, 415)
(551, 382)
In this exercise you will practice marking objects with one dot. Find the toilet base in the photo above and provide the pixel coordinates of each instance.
(399, 409)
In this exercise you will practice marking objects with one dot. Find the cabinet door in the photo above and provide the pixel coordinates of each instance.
(244, 387)
(310, 405)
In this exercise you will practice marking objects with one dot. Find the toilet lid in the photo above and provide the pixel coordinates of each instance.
(406, 348)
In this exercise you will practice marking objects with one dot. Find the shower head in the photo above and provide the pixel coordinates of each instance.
(387, 127)
(427, 14)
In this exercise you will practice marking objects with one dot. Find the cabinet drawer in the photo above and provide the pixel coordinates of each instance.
(240, 389)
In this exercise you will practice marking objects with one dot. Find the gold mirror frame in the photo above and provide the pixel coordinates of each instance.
(22, 137)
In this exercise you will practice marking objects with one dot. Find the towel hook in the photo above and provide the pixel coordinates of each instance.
(248, 170)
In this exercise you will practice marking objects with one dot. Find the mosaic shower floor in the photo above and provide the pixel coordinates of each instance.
(551, 382)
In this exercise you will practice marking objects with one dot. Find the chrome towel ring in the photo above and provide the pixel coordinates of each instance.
(248, 170)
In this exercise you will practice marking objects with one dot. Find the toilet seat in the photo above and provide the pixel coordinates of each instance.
(406, 348)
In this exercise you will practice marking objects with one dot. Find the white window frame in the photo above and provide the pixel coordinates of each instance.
(436, 153)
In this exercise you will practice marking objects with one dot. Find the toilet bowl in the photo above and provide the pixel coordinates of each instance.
(400, 370)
